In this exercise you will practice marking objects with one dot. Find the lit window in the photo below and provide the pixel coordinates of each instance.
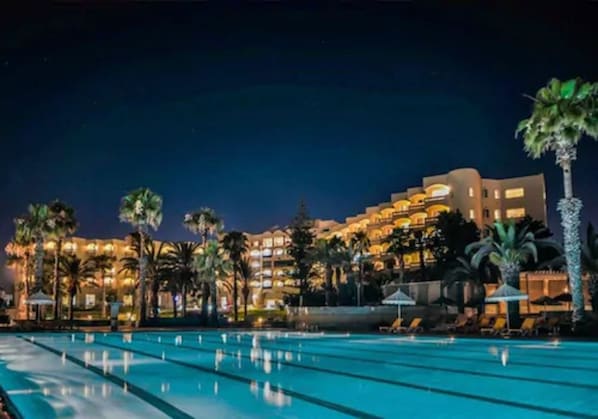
(279, 273)
(255, 264)
(278, 241)
(92, 247)
(267, 252)
(254, 253)
(70, 247)
(256, 243)
(109, 248)
(278, 252)
(514, 193)
(287, 240)
(267, 272)
(471, 214)
(516, 213)
(496, 194)
(268, 242)
(470, 192)
(267, 283)
(90, 300)
(128, 300)
(497, 214)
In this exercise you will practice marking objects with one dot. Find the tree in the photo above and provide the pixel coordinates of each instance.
(76, 271)
(65, 224)
(205, 223)
(235, 243)
(360, 243)
(211, 266)
(180, 262)
(141, 208)
(38, 225)
(590, 263)
(19, 249)
(300, 248)
(400, 245)
(563, 112)
(452, 233)
(326, 253)
(153, 257)
(464, 272)
(103, 263)
(246, 273)
(508, 249)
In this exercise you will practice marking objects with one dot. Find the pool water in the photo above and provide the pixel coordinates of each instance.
(295, 375)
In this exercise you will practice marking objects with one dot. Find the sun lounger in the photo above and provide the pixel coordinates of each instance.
(414, 326)
(553, 326)
(393, 327)
(500, 326)
(460, 323)
(528, 328)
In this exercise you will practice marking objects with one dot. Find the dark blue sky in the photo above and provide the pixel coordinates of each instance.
(249, 110)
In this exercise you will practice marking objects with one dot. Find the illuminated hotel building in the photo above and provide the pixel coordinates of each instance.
(478, 199)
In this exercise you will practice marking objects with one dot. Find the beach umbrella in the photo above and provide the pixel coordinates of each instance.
(545, 301)
(564, 297)
(39, 299)
(399, 299)
(507, 294)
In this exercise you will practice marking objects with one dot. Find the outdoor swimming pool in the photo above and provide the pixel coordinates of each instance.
(284, 374)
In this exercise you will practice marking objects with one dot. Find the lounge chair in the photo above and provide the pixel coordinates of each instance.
(460, 323)
(500, 326)
(528, 328)
(414, 326)
(553, 326)
(393, 327)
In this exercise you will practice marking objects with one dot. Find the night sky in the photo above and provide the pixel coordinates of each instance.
(249, 110)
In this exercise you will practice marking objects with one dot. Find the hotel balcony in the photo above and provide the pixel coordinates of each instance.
(432, 200)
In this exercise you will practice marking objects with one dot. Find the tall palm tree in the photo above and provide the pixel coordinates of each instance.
(102, 264)
(207, 224)
(400, 245)
(19, 248)
(212, 265)
(326, 253)
(38, 225)
(77, 272)
(180, 261)
(507, 249)
(246, 273)
(65, 224)
(590, 263)
(563, 112)
(360, 244)
(141, 208)
(235, 243)
(464, 272)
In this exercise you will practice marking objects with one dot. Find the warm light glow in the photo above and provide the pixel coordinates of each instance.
(514, 193)
(515, 212)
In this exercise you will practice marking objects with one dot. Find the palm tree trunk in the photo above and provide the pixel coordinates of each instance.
(71, 308)
(245, 298)
(184, 295)
(235, 293)
(214, 302)
(103, 296)
(510, 275)
(57, 279)
(594, 291)
(401, 268)
(328, 290)
(27, 285)
(359, 283)
(142, 285)
(173, 295)
(39, 263)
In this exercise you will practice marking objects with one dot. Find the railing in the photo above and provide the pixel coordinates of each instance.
(436, 198)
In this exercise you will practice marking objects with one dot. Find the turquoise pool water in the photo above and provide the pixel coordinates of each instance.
(295, 375)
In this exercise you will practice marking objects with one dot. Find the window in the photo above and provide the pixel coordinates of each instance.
(278, 252)
(267, 283)
(109, 248)
(128, 299)
(497, 214)
(471, 214)
(471, 192)
(485, 193)
(255, 264)
(514, 193)
(256, 243)
(268, 242)
(278, 241)
(254, 253)
(516, 212)
(486, 213)
(267, 252)
(496, 194)
(92, 248)
(267, 272)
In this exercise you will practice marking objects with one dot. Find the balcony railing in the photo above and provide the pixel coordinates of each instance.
(436, 198)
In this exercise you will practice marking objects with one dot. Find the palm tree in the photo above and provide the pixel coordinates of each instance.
(19, 248)
(360, 244)
(326, 253)
(103, 263)
(37, 224)
(76, 271)
(235, 243)
(507, 249)
(65, 225)
(205, 223)
(563, 112)
(246, 273)
(153, 260)
(400, 245)
(141, 208)
(590, 263)
(180, 261)
(464, 272)
(212, 265)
